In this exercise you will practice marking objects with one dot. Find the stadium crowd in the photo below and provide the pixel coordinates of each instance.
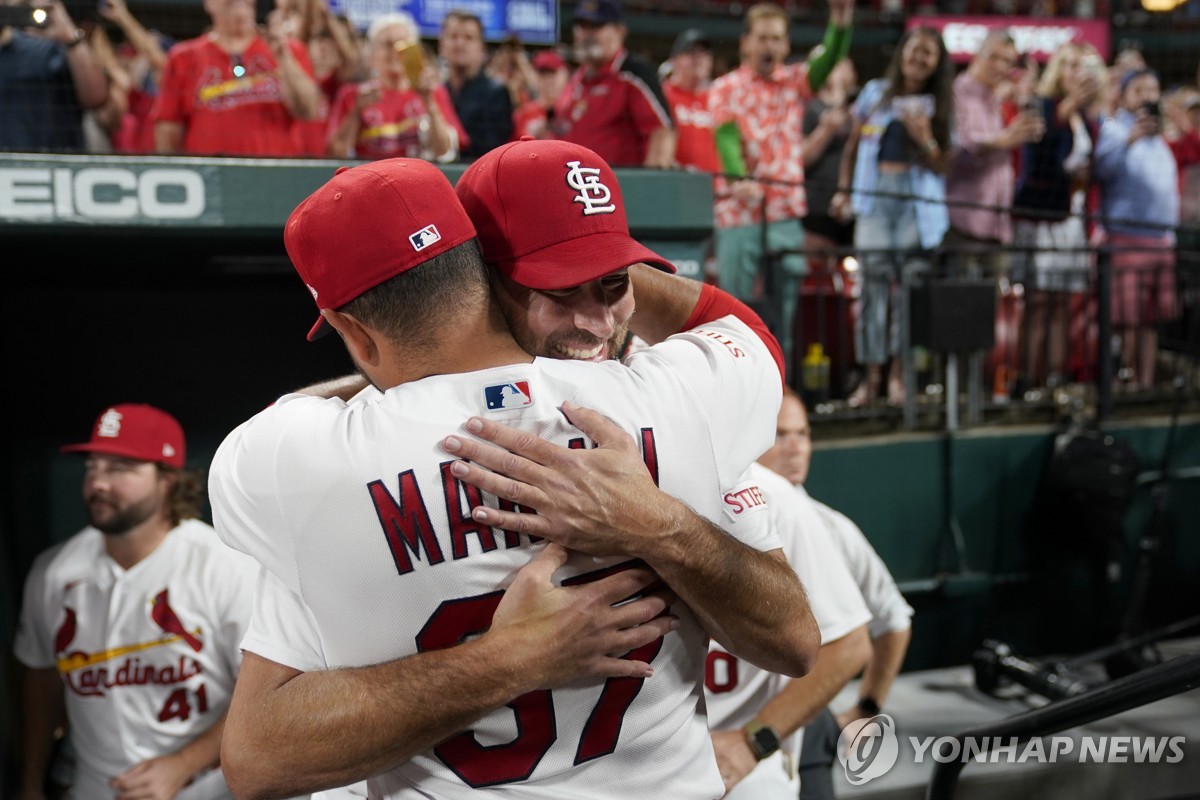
(1008, 165)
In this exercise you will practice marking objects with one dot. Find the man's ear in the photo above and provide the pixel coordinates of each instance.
(360, 340)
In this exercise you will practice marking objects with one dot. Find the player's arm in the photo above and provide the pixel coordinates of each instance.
(291, 732)
(342, 388)
(887, 656)
(44, 712)
(797, 704)
(164, 776)
(603, 501)
(669, 304)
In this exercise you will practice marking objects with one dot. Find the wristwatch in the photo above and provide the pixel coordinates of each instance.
(79, 38)
(762, 739)
(868, 706)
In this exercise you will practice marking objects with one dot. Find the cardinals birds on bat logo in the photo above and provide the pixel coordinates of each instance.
(66, 632)
(164, 616)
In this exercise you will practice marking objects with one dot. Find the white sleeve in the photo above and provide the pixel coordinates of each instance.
(244, 485)
(734, 381)
(889, 610)
(837, 605)
(237, 591)
(33, 646)
(747, 515)
(281, 627)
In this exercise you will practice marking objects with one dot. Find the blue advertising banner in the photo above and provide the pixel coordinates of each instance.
(532, 21)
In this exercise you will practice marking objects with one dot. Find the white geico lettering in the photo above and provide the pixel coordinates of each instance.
(63, 193)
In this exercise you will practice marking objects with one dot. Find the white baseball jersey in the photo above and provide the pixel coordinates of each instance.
(148, 655)
(736, 689)
(354, 508)
(890, 612)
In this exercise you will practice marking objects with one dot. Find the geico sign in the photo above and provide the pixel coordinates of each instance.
(100, 193)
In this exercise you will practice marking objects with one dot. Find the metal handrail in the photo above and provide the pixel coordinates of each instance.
(1140, 688)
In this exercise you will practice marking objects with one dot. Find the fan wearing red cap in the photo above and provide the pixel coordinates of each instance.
(534, 116)
(377, 549)
(135, 621)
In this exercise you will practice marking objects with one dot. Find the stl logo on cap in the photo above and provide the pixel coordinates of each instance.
(110, 424)
(425, 237)
(594, 195)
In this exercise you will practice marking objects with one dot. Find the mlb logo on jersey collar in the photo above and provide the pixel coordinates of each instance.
(503, 396)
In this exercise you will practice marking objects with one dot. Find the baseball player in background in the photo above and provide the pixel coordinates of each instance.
(131, 627)
(379, 553)
(890, 626)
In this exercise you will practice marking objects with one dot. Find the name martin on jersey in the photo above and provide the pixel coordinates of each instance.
(404, 515)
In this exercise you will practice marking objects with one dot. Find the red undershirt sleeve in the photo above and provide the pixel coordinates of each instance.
(714, 304)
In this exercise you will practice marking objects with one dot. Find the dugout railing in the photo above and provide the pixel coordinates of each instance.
(1132, 691)
(1054, 345)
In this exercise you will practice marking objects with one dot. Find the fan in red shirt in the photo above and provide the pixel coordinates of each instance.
(686, 89)
(613, 103)
(334, 50)
(386, 117)
(234, 92)
(532, 118)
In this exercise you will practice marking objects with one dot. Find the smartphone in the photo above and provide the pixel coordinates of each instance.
(24, 16)
(915, 104)
(412, 57)
(1032, 107)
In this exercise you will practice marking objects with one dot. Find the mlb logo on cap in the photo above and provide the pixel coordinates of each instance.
(504, 396)
(425, 237)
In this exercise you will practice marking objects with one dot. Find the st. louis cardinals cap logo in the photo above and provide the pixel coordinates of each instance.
(594, 195)
(110, 424)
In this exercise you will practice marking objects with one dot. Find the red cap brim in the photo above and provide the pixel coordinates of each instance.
(116, 449)
(590, 257)
(319, 330)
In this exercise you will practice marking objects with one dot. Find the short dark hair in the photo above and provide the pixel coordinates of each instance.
(412, 307)
(462, 15)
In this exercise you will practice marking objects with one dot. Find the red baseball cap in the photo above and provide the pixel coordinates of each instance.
(370, 223)
(550, 214)
(137, 431)
(548, 61)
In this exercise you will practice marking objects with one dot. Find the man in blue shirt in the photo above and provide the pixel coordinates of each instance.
(1139, 195)
(47, 77)
(483, 105)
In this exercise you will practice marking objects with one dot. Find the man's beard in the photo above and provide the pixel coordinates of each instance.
(121, 521)
(553, 347)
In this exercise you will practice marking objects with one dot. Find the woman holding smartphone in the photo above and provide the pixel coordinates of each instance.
(895, 161)
(1049, 238)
